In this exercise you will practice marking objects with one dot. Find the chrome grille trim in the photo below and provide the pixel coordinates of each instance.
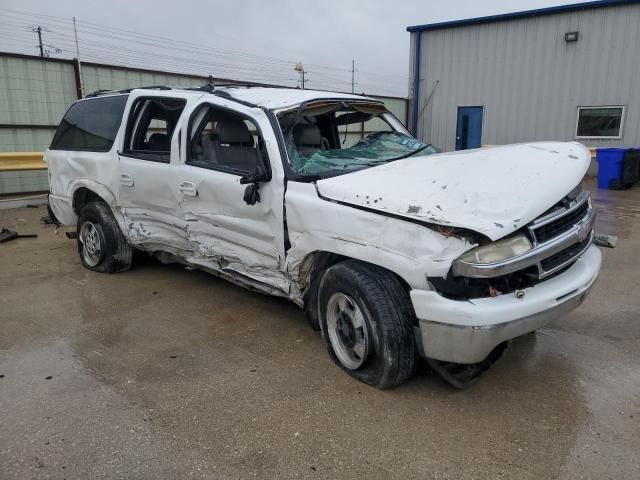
(559, 214)
(576, 234)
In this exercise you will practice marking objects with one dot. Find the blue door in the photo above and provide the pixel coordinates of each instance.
(469, 129)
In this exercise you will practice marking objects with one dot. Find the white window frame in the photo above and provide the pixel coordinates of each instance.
(593, 107)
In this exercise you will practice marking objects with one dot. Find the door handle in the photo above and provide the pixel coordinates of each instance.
(126, 179)
(188, 188)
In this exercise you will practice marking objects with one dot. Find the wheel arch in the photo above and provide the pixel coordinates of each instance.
(318, 261)
(313, 267)
(86, 191)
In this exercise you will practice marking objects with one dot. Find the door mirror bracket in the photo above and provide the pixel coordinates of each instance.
(256, 177)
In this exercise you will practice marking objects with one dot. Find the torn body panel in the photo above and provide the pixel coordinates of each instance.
(405, 248)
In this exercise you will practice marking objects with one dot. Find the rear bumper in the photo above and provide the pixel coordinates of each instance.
(467, 331)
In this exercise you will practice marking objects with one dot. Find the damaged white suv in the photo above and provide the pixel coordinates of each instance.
(393, 249)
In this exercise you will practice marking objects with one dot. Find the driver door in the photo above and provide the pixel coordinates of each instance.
(226, 142)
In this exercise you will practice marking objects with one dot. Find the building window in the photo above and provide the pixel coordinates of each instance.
(600, 122)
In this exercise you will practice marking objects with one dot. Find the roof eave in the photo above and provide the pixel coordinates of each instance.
(523, 14)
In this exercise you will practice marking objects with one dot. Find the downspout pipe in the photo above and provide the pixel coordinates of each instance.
(416, 84)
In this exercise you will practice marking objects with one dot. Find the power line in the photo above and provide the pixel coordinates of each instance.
(100, 42)
(150, 39)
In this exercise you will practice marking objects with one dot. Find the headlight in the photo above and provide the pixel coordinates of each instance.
(495, 252)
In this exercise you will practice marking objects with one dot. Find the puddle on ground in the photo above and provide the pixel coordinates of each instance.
(616, 210)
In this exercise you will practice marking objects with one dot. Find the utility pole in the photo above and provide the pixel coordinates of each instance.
(353, 76)
(75, 34)
(38, 30)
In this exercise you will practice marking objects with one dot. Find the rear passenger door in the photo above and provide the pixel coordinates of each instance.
(227, 141)
(147, 195)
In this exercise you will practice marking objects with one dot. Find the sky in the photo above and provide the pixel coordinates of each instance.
(245, 39)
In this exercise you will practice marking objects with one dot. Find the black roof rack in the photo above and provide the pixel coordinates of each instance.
(127, 90)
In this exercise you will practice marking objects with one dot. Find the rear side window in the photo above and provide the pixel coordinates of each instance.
(151, 126)
(90, 125)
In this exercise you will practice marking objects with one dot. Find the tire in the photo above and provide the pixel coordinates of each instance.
(101, 245)
(379, 348)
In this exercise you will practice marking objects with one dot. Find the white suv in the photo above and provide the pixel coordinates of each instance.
(393, 249)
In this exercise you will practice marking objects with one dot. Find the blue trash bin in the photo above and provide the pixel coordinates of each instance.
(609, 165)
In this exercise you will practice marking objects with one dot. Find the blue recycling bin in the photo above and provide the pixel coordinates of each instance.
(609, 165)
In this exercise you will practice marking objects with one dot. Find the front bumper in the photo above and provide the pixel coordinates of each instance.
(467, 331)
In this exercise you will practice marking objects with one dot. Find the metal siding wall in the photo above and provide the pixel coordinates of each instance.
(35, 91)
(529, 80)
(397, 106)
(27, 181)
(104, 78)
(25, 139)
(32, 92)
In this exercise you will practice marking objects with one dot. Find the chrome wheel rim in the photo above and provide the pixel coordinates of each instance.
(91, 244)
(347, 331)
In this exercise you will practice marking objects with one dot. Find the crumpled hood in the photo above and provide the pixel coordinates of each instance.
(493, 191)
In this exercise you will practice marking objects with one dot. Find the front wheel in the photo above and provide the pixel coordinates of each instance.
(366, 320)
(101, 244)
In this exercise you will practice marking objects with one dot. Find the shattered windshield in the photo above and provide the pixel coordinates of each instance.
(331, 138)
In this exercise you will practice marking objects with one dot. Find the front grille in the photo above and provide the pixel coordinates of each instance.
(560, 236)
(563, 224)
(561, 258)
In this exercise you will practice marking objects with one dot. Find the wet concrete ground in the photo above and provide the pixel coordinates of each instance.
(166, 373)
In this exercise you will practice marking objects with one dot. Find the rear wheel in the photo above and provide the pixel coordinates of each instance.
(367, 323)
(101, 244)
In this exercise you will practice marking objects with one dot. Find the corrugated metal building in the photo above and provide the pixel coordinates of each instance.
(35, 93)
(560, 73)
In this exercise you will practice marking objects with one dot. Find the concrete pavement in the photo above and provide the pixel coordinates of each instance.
(166, 373)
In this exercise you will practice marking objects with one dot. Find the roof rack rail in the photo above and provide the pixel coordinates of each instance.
(96, 93)
(207, 87)
(211, 86)
(127, 90)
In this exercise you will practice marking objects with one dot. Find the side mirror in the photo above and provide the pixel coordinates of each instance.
(252, 192)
